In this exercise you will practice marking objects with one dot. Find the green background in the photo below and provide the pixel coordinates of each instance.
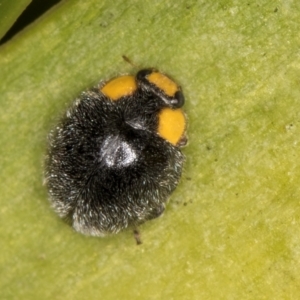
(231, 229)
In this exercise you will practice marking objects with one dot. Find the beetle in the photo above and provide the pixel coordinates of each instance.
(115, 157)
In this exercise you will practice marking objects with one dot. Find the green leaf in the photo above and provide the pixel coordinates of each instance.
(231, 229)
(9, 12)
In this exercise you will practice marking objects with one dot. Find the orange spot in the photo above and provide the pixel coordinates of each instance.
(171, 124)
(119, 87)
(163, 82)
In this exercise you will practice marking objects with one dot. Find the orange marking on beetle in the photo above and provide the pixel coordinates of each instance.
(164, 83)
(171, 124)
(119, 87)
